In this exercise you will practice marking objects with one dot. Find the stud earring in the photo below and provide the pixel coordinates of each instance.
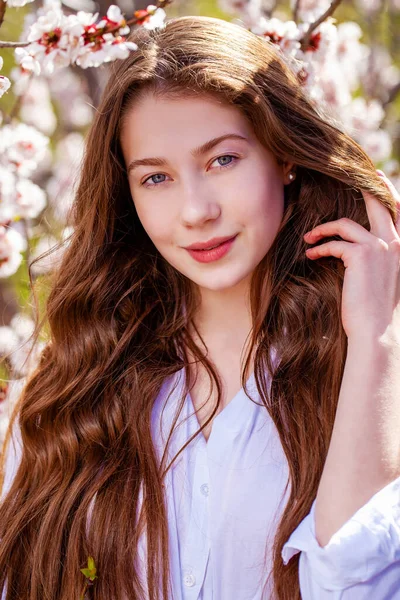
(292, 176)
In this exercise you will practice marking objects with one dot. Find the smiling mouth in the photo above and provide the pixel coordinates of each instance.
(213, 243)
(212, 253)
(216, 245)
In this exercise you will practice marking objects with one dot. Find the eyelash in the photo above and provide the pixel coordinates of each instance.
(145, 184)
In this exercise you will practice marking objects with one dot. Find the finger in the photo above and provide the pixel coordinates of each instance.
(396, 195)
(347, 229)
(395, 192)
(337, 249)
(379, 217)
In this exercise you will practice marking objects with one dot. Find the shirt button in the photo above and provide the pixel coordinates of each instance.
(204, 489)
(189, 580)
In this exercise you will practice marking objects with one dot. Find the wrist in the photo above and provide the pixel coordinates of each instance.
(374, 348)
(379, 338)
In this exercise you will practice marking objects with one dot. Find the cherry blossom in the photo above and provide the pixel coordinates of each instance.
(250, 10)
(30, 199)
(114, 18)
(18, 3)
(22, 325)
(380, 73)
(284, 34)
(21, 78)
(51, 46)
(16, 344)
(111, 48)
(74, 105)
(8, 340)
(28, 64)
(7, 195)
(351, 54)
(362, 120)
(309, 10)
(10, 392)
(11, 245)
(48, 262)
(22, 147)
(369, 6)
(152, 17)
(36, 107)
(5, 83)
(331, 65)
(61, 186)
(58, 40)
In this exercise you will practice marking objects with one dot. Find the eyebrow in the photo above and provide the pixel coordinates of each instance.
(203, 149)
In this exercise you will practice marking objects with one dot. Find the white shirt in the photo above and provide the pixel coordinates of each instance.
(224, 501)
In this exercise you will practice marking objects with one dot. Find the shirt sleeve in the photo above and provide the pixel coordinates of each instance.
(12, 460)
(361, 561)
(13, 457)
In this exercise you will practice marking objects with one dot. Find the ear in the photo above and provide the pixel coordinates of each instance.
(288, 172)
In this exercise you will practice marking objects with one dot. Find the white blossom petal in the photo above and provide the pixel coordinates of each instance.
(11, 245)
(5, 85)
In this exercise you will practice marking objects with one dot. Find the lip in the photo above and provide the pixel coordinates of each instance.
(206, 256)
(213, 242)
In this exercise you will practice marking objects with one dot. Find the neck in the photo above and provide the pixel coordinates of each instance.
(224, 317)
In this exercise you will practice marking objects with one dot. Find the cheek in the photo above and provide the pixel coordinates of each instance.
(264, 205)
(156, 223)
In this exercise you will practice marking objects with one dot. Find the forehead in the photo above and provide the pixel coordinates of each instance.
(153, 122)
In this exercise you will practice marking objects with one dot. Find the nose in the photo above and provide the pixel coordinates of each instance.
(199, 205)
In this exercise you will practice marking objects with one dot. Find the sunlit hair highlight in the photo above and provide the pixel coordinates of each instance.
(120, 321)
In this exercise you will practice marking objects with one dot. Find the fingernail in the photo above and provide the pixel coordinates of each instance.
(381, 173)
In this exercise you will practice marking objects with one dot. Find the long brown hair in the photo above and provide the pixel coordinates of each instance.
(118, 328)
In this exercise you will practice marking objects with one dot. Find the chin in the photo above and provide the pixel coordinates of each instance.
(219, 283)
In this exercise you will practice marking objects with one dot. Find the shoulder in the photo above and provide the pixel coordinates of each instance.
(12, 457)
(12, 447)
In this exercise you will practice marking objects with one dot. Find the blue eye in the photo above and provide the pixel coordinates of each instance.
(226, 156)
(223, 166)
(154, 182)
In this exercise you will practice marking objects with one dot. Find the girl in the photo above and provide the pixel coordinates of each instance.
(216, 414)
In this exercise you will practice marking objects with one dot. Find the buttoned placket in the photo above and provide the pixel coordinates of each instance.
(192, 481)
(195, 552)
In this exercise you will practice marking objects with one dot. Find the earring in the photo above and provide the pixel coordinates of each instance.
(292, 176)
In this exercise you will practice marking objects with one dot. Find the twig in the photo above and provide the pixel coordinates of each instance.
(27, 237)
(83, 595)
(90, 574)
(268, 13)
(17, 104)
(2, 11)
(393, 93)
(133, 21)
(307, 36)
(13, 44)
(296, 10)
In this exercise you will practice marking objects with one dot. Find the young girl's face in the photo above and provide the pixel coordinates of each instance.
(189, 188)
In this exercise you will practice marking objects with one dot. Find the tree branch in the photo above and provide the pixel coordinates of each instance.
(307, 36)
(393, 93)
(268, 13)
(133, 21)
(296, 10)
(13, 44)
(2, 11)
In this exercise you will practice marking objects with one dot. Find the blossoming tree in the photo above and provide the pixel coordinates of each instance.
(53, 91)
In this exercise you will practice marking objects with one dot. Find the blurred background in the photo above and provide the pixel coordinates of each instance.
(350, 64)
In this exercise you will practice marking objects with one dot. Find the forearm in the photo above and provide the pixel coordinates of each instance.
(364, 451)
